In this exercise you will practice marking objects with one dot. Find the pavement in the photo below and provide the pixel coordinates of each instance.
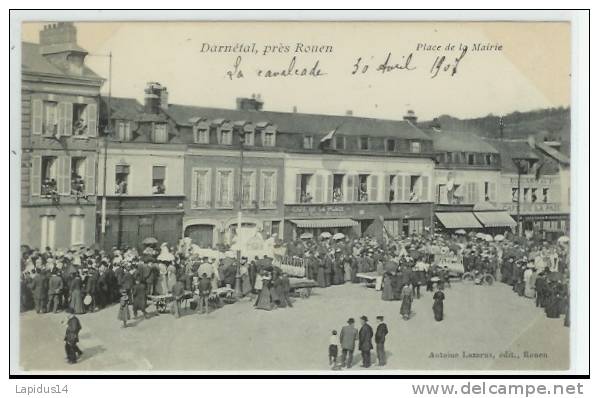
(485, 328)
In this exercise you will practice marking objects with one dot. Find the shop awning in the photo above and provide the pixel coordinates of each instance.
(458, 219)
(326, 223)
(495, 218)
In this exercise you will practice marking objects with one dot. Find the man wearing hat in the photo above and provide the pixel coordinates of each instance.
(379, 339)
(55, 286)
(365, 341)
(347, 338)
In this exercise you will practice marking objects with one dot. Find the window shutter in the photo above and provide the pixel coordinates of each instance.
(195, 179)
(231, 196)
(37, 108)
(90, 175)
(68, 118)
(350, 187)
(329, 196)
(406, 188)
(475, 193)
(386, 187)
(492, 191)
(399, 194)
(92, 120)
(373, 188)
(298, 188)
(36, 179)
(61, 118)
(218, 190)
(319, 188)
(424, 188)
(273, 189)
(64, 175)
(252, 187)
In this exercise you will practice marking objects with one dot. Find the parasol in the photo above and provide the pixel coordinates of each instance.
(499, 238)
(488, 238)
(480, 235)
(338, 236)
(563, 239)
(460, 232)
(150, 241)
(306, 235)
(325, 235)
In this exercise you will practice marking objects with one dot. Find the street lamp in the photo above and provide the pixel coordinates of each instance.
(241, 132)
(520, 165)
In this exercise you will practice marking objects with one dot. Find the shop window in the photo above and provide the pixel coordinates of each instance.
(121, 179)
(304, 188)
(159, 133)
(415, 147)
(78, 176)
(49, 176)
(308, 141)
(337, 193)
(124, 130)
(158, 180)
(363, 143)
(77, 229)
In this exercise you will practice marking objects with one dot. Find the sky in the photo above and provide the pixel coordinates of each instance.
(531, 71)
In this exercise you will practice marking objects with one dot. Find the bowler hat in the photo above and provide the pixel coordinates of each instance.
(364, 318)
(350, 320)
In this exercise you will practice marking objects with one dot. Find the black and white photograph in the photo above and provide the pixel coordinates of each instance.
(333, 197)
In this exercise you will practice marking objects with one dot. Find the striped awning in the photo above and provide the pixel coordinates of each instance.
(495, 218)
(326, 223)
(458, 219)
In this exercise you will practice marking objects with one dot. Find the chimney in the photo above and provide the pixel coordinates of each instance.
(58, 44)
(410, 117)
(294, 109)
(250, 104)
(155, 97)
(349, 112)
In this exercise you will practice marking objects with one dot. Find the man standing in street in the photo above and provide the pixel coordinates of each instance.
(54, 291)
(348, 337)
(204, 289)
(379, 339)
(365, 341)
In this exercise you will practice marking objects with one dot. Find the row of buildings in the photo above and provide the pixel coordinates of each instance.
(114, 171)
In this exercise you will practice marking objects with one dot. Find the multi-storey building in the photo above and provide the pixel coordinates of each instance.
(59, 103)
(140, 173)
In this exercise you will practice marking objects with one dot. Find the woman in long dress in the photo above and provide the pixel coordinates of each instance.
(321, 279)
(76, 299)
(438, 298)
(387, 294)
(171, 277)
(161, 287)
(407, 295)
(529, 282)
(347, 271)
(246, 286)
(264, 301)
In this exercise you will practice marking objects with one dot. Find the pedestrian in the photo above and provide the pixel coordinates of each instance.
(348, 337)
(204, 289)
(76, 299)
(264, 299)
(333, 349)
(365, 341)
(285, 289)
(124, 314)
(139, 298)
(438, 298)
(71, 337)
(407, 295)
(178, 295)
(379, 339)
(39, 289)
(55, 291)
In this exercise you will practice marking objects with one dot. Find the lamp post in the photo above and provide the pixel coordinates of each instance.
(238, 293)
(519, 166)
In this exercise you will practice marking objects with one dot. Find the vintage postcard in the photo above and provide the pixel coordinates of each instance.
(335, 197)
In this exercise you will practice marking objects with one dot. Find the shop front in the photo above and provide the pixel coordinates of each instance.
(357, 219)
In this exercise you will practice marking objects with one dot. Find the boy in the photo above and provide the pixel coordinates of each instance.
(333, 349)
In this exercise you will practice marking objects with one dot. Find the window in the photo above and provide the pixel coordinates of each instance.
(415, 147)
(363, 187)
(50, 118)
(393, 227)
(268, 189)
(159, 133)
(250, 138)
(200, 188)
(471, 192)
(225, 136)
(390, 145)
(337, 194)
(78, 176)
(545, 194)
(158, 180)
(123, 130)
(80, 119)
(49, 173)
(471, 159)
(414, 188)
(304, 188)
(392, 187)
(224, 188)
(48, 229)
(308, 141)
(415, 226)
(275, 228)
(363, 143)
(514, 194)
(77, 229)
(526, 195)
(248, 189)
(338, 142)
(121, 179)
(488, 160)
(533, 195)
(268, 137)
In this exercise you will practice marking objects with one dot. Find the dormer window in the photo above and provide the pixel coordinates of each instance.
(250, 138)
(159, 133)
(308, 141)
(225, 136)
(268, 136)
(415, 147)
(201, 135)
(123, 129)
(390, 145)
(363, 143)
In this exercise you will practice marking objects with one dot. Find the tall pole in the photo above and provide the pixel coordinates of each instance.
(518, 166)
(238, 292)
(106, 134)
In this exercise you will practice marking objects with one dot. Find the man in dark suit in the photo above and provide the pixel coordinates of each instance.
(54, 291)
(379, 339)
(347, 338)
(39, 287)
(365, 341)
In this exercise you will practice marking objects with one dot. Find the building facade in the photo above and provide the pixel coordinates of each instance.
(59, 102)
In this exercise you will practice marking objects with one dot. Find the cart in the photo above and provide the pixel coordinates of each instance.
(301, 287)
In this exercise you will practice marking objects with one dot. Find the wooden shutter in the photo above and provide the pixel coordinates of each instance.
(194, 188)
(298, 188)
(399, 183)
(406, 188)
(329, 195)
(373, 188)
(273, 188)
(386, 187)
(218, 200)
(92, 120)
(231, 196)
(90, 175)
(424, 188)
(319, 188)
(36, 176)
(64, 175)
(475, 193)
(493, 191)
(37, 109)
(68, 118)
(350, 188)
(61, 118)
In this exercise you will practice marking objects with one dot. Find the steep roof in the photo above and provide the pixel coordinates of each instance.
(519, 149)
(553, 153)
(291, 122)
(33, 61)
(459, 141)
(122, 108)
